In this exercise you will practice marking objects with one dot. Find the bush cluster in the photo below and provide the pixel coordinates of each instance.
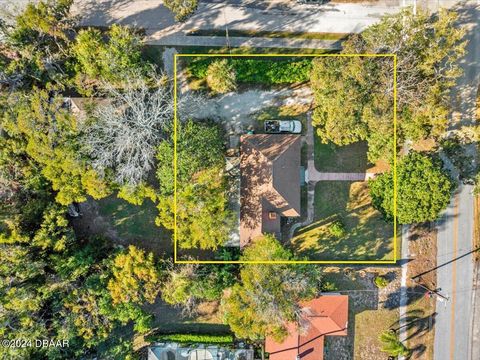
(381, 282)
(194, 338)
(337, 229)
(259, 71)
(221, 77)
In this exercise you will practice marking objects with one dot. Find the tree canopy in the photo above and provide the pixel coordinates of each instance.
(203, 218)
(423, 190)
(354, 95)
(267, 296)
(107, 58)
(36, 43)
(45, 131)
(182, 9)
(221, 77)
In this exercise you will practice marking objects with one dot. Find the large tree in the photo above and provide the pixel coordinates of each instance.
(111, 57)
(203, 218)
(36, 43)
(354, 96)
(135, 277)
(125, 130)
(423, 190)
(43, 130)
(267, 296)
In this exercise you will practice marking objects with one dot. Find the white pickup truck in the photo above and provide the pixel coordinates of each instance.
(283, 126)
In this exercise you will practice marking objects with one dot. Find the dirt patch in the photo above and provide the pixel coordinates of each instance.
(425, 145)
(476, 227)
(379, 167)
(91, 223)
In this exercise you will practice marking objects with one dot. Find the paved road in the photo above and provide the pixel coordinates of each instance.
(455, 230)
(236, 14)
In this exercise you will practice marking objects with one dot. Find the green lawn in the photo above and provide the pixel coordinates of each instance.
(271, 34)
(334, 158)
(367, 236)
(237, 50)
(136, 224)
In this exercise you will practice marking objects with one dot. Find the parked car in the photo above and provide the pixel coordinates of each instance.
(283, 126)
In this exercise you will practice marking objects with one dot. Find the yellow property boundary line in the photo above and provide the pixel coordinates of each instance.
(176, 261)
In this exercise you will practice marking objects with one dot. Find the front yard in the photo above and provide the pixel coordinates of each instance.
(365, 235)
(371, 312)
(334, 158)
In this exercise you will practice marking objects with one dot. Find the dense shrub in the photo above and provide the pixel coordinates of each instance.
(221, 77)
(194, 338)
(337, 229)
(423, 189)
(181, 8)
(381, 282)
(260, 71)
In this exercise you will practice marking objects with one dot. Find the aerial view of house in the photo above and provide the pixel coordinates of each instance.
(324, 316)
(270, 183)
(240, 179)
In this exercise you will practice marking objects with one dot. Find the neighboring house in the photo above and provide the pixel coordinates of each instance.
(173, 351)
(81, 106)
(324, 316)
(269, 183)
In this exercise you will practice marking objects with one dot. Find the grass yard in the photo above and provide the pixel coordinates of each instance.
(366, 236)
(334, 158)
(135, 224)
(271, 34)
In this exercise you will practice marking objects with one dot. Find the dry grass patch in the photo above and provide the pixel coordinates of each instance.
(369, 324)
(420, 309)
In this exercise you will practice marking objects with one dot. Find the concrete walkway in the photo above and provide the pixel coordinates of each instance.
(313, 176)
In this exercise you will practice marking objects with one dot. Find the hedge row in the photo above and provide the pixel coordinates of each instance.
(259, 71)
(194, 338)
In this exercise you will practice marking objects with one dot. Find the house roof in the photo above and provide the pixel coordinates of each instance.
(324, 316)
(270, 182)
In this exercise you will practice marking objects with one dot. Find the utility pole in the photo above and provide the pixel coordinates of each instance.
(226, 28)
(430, 291)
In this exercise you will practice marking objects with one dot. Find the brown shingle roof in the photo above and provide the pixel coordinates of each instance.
(270, 182)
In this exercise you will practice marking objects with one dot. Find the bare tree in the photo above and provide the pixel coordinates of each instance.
(129, 127)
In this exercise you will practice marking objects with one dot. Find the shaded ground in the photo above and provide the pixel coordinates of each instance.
(371, 311)
(124, 224)
(367, 236)
(334, 158)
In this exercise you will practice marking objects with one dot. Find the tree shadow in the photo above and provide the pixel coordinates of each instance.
(413, 294)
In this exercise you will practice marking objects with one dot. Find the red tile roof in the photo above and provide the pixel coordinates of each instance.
(324, 316)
